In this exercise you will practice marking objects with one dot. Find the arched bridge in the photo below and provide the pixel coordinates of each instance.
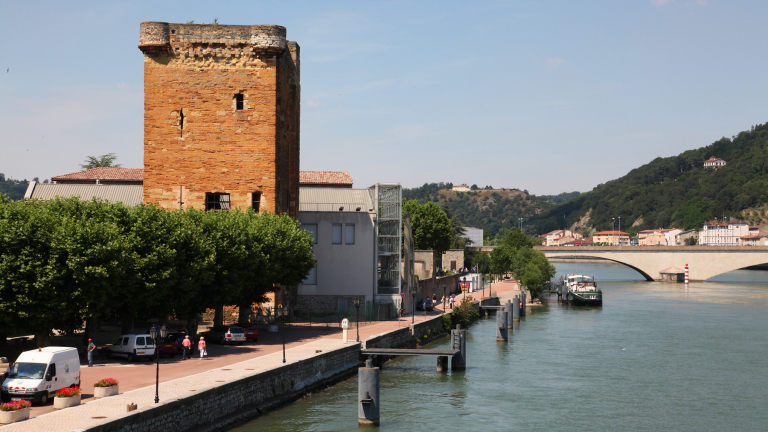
(703, 262)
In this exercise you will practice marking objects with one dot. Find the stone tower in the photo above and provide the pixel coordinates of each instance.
(221, 117)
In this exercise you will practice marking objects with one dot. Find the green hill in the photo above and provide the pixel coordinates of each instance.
(489, 209)
(14, 189)
(676, 191)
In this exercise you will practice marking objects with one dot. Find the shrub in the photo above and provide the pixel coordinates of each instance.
(68, 392)
(465, 313)
(106, 382)
(447, 322)
(15, 405)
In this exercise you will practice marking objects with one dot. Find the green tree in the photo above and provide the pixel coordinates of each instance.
(431, 227)
(107, 160)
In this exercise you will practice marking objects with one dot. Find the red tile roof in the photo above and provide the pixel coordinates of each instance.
(104, 174)
(324, 177)
(551, 232)
(580, 242)
(610, 233)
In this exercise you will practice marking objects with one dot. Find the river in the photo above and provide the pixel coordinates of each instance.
(655, 357)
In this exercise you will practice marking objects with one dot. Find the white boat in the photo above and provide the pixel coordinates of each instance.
(583, 290)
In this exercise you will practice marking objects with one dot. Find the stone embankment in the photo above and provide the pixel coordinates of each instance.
(221, 398)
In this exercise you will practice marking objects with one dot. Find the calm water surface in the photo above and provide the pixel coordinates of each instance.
(692, 360)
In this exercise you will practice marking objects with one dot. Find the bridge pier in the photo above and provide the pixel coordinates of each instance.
(459, 342)
(368, 395)
(442, 364)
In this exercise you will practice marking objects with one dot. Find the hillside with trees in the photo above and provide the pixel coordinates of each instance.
(487, 208)
(675, 191)
(13, 189)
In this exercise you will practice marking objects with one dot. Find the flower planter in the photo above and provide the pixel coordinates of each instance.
(102, 392)
(61, 403)
(14, 416)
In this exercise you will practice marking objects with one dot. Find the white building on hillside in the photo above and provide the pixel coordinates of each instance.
(714, 162)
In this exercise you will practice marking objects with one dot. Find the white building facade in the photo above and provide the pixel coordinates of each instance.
(722, 233)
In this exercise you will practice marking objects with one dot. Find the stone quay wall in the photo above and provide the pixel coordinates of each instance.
(405, 336)
(223, 406)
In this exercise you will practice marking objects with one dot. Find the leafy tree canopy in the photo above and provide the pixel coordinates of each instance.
(432, 230)
(107, 161)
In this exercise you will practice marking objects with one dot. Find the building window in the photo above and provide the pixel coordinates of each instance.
(256, 201)
(336, 237)
(216, 201)
(239, 102)
(349, 234)
(312, 229)
(311, 277)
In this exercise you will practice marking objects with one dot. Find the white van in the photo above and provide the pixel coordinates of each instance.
(133, 346)
(38, 374)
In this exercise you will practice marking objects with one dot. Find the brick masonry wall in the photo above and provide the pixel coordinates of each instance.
(196, 141)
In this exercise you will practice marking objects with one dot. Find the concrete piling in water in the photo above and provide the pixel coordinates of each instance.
(522, 304)
(501, 325)
(565, 293)
(508, 310)
(442, 364)
(459, 342)
(368, 396)
(516, 309)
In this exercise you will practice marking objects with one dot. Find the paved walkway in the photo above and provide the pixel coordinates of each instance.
(177, 377)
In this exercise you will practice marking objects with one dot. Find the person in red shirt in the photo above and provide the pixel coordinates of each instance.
(186, 344)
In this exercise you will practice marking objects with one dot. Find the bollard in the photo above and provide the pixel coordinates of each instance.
(345, 330)
(459, 342)
(508, 310)
(368, 396)
(522, 304)
(442, 364)
(516, 309)
(501, 325)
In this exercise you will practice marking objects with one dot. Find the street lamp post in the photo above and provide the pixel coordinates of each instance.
(413, 315)
(153, 333)
(619, 230)
(613, 226)
(357, 325)
(281, 313)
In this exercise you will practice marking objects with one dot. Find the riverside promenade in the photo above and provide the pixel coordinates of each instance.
(319, 344)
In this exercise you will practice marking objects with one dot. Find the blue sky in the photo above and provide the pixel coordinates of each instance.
(540, 95)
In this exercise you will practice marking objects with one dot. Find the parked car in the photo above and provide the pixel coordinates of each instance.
(37, 374)
(133, 347)
(226, 334)
(251, 333)
(179, 338)
(424, 305)
(168, 347)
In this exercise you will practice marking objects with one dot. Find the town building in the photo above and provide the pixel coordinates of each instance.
(722, 233)
(103, 176)
(453, 259)
(221, 117)
(714, 162)
(334, 179)
(619, 238)
(474, 235)
(754, 240)
(460, 188)
(586, 241)
(683, 236)
(559, 237)
(659, 237)
(358, 242)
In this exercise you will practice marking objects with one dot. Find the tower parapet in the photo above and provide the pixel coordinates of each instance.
(205, 38)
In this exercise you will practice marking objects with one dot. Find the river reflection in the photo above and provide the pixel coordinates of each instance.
(655, 357)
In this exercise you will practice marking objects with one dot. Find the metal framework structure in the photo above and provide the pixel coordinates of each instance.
(388, 202)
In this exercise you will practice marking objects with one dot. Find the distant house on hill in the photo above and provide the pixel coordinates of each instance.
(714, 162)
(587, 241)
(460, 188)
(559, 237)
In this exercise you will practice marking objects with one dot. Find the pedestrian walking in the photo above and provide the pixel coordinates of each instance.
(201, 348)
(91, 350)
(434, 300)
(186, 344)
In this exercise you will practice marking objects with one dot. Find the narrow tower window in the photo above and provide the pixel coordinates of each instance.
(256, 201)
(181, 123)
(239, 102)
